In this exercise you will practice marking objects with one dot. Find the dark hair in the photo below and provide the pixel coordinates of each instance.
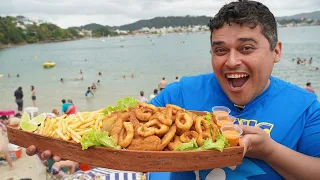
(141, 93)
(308, 84)
(20, 88)
(247, 13)
(155, 91)
(63, 101)
(163, 78)
(177, 77)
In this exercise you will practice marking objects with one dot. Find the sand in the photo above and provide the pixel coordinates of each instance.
(24, 167)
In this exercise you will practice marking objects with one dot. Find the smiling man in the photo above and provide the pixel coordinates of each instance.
(280, 121)
(282, 136)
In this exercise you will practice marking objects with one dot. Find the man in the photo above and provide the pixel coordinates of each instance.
(155, 93)
(309, 88)
(244, 49)
(18, 94)
(163, 83)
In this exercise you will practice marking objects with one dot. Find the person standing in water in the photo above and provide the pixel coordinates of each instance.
(163, 83)
(33, 96)
(88, 92)
(18, 94)
(309, 88)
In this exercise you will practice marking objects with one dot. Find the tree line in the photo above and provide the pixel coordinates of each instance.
(46, 32)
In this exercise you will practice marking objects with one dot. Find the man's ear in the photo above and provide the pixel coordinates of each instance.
(277, 52)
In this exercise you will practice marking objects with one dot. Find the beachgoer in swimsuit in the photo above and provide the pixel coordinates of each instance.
(33, 96)
(163, 83)
(93, 86)
(88, 92)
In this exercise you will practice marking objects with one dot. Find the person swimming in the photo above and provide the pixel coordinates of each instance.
(100, 73)
(93, 86)
(61, 80)
(88, 92)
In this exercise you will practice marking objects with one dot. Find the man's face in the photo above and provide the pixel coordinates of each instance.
(242, 61)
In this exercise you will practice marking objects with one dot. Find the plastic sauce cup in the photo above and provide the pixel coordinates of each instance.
(225, 120)
(220, 110)
(232, 134)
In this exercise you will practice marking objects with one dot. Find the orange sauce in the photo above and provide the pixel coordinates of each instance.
(232, 136)
(224, 123)
(219, 113)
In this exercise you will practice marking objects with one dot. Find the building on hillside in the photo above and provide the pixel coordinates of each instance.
(121, 31)
(85, 33)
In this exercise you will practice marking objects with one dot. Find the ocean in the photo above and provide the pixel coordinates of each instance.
(148, 57)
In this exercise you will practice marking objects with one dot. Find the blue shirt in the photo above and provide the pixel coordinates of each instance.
(290, 115)
(65, 107)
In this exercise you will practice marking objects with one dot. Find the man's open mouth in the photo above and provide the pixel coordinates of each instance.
(237, 80)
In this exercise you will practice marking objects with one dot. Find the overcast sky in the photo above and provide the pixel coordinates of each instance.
(66, 13)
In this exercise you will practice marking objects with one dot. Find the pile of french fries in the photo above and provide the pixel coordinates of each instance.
(72, 127)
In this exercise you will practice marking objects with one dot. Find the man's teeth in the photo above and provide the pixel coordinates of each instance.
(236, 75)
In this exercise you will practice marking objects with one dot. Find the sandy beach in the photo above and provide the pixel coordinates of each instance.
(24, 167)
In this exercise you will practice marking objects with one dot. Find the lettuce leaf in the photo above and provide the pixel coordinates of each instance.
(192, 145)
(221, 142)
(95, 138)
(122, 104)
(208, 118)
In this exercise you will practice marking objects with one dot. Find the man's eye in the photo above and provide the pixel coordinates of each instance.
(247, 48)
(219, 50)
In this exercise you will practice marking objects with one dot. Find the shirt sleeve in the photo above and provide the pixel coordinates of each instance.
(309, 142)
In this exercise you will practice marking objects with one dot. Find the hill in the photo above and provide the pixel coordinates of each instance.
(311, 15)
(159, 22)
(90, 27)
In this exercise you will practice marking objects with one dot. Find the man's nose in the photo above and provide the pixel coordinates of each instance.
(233, 59)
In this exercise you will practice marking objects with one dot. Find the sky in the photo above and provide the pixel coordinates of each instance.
(67, 13)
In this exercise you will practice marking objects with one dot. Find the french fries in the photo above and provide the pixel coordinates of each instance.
(72, 127)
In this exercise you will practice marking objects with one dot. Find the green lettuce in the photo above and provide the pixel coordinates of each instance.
(208, 118)
(95, 138)
(221, 142)
(192, 145)
(127, 102)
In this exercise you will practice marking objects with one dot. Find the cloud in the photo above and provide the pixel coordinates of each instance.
(118, 12)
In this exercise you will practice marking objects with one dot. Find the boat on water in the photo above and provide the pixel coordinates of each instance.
(48, 64)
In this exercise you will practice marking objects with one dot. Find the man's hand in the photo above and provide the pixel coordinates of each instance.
(256, 142)
(32, 150)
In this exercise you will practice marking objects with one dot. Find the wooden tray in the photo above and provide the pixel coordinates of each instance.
(129, 160)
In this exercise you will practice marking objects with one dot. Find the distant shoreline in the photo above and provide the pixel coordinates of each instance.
(4, 46)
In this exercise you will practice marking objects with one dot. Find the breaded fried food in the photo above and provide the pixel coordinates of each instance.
(151, 143)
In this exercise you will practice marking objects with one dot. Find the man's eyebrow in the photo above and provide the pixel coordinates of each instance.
(244, 39)
(215, 43)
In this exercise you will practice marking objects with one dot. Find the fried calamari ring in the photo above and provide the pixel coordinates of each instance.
(203, 136)
(174, 107)
(128, 129)
(168, 137)
(148, 106)
(159, 128)
(142, 114)
(188, 136)
(176, 142)
(214, 132)
(201, 124)
(186, 125)
(145, 132)
(164, 117)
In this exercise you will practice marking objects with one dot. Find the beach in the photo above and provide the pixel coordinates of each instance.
(24, 167)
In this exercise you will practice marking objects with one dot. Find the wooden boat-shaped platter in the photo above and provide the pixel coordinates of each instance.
(129, 160)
